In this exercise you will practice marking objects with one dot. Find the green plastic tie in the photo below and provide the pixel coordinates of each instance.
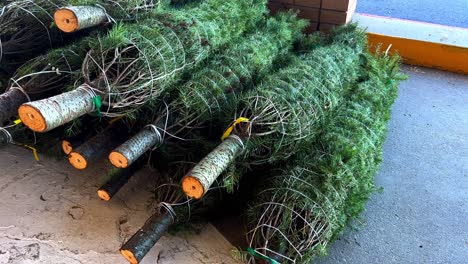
(97, 104)
(255, 254)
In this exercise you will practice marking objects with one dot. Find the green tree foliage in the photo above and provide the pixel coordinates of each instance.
(303, 209)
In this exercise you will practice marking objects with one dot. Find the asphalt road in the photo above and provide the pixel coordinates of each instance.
(422, 214)
(444, 12)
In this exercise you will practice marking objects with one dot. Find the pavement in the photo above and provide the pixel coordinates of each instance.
(422, 214)
(451, 13)
(50, 214)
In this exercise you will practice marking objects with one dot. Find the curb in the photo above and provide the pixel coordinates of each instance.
(419, 43)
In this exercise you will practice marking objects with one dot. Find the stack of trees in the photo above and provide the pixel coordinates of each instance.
(222, 92)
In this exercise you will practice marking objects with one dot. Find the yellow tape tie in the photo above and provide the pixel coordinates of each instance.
(228, 131)
(17, 121)
(34, 150)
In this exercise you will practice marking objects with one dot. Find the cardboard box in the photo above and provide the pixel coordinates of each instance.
(340, 5)
(333, 12)
(337, 17)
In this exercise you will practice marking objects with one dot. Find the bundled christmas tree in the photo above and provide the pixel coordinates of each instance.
(273, 120)
(303, 209)
(135, 64)
(27, 30)
(213, 87)
(43, 76)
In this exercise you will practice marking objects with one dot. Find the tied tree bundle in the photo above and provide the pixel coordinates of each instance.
(135, 64)
(45, 75)
(213, 86)
(280, 114)
(81, 14)
(307, 206)
(173, 209)
(26, 30)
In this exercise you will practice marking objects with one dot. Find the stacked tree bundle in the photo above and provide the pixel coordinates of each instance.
(220, 96)
(307, 205)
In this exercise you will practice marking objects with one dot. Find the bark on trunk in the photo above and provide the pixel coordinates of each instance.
(203, 175)
(74, 18)
(142, 241)
(127, 153)
(47, 114)
(97, 147)
(117, 180)
(10, 101)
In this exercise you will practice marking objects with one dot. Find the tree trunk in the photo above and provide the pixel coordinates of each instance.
(127, 153)
(144, 239)
(117, 179)
(203, 175)
(47, 114)
(97, 147)
(74, 18)
(10, 101)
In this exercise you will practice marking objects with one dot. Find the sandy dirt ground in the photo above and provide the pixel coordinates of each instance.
(50, 213)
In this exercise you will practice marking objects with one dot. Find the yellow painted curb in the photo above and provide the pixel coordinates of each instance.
(422, 53)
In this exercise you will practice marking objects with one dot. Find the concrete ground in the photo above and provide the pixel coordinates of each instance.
(451, 13)
(50, 214)
(422, 214)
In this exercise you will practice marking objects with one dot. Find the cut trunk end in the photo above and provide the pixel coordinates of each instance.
(45, 115)
(118, 159)
(78, 161)
(98, 146)
(192, 187)
(71, 143)
(129, 152)
(67, 147)
(74, 18)
(135, 249)
(104, 195)
(32, 118)
(204, 174)
(117, 179)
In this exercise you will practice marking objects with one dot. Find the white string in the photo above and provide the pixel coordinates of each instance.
(7, 134)
(170, 210)
(90, 91)
(239, 140)
(109, 18)
(155, 129)
(19, 88)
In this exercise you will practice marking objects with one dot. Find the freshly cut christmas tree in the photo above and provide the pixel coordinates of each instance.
(43, 76)
(27, 30)
(214, 87)
(273, 120)
(299, 212)
(135, 64)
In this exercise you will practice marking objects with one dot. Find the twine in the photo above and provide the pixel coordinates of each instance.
(21, 89)
(155, 129)
(169, 210)
(96, 98)
(7, 134)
